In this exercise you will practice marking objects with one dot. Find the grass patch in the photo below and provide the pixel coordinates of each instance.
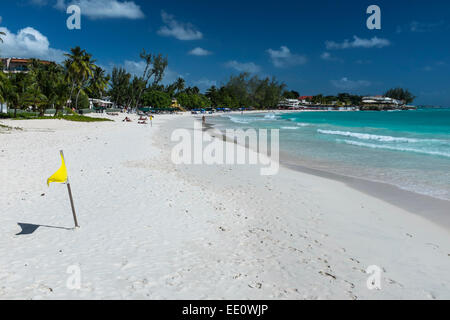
(72, 117)
(80, 118)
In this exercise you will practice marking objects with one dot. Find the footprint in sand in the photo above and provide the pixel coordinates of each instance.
(434, 246)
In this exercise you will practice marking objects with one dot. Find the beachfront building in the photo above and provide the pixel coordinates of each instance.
(331, 107)
(381, 102)
(289, 103)
(99, 104)
(16, 65)
(305, 100)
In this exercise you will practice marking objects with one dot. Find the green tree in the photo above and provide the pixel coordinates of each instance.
(158, 99)
(213, 95)
(155, 66)
(120, 87)
(73, 67)
(80, 67)
(35, 98)
(14, 90)
(180, 84)
(400, 94)
(98, 83)
(291, 94)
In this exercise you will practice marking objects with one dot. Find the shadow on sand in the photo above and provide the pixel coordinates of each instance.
(31, 228)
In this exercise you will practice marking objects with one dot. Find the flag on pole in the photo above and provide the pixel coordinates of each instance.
(59, 176)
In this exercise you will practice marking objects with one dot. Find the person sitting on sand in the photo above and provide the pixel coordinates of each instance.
(127, 119)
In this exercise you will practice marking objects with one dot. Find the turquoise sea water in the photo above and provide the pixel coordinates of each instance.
(409, 149)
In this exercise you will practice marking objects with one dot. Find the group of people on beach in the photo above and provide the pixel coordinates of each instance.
(141, 120)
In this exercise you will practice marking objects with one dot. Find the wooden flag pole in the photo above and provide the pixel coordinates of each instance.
(70, 196)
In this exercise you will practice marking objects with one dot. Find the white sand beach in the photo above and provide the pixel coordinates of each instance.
(153, 230)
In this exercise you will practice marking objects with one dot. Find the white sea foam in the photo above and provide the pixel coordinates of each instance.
(390, 147)
(366, 136)
(239, 120)
(290, 128)
(271, 116)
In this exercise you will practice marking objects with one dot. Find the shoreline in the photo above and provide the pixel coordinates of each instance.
(433, 209)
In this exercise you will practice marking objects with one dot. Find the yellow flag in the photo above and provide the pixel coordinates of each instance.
(60, 176)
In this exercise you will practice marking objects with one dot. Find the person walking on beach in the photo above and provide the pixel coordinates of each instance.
(203, 119)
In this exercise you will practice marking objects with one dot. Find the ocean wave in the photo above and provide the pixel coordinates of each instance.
(390, 147)
(271, 116)
(303, 124)
(239, 120)
(366, 136)
(290, 128)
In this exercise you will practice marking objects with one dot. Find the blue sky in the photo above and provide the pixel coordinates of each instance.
(319, 46)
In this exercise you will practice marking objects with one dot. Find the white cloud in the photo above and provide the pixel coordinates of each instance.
(243, 66)
(136, 68)
(348, 84)
(328, 57)
(204, 83)
(104, 9)
(285, 58)
(179, 30)
(199, 52)
(375, 42)
(28, 43)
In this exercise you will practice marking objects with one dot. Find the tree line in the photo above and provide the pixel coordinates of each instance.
(239, 91)
(78, 78)
(70, 85)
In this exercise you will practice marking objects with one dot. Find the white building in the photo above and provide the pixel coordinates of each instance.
(99, 103)
(289, 103)
(381, 101)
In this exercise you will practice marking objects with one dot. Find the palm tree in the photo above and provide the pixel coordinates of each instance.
(72, 65)
(86, 68)
(3, 80)
(79, 66)
(59, 94)
(180, 84)
(2, 34)
(98, 83)
(36, 98)
(11, 96)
